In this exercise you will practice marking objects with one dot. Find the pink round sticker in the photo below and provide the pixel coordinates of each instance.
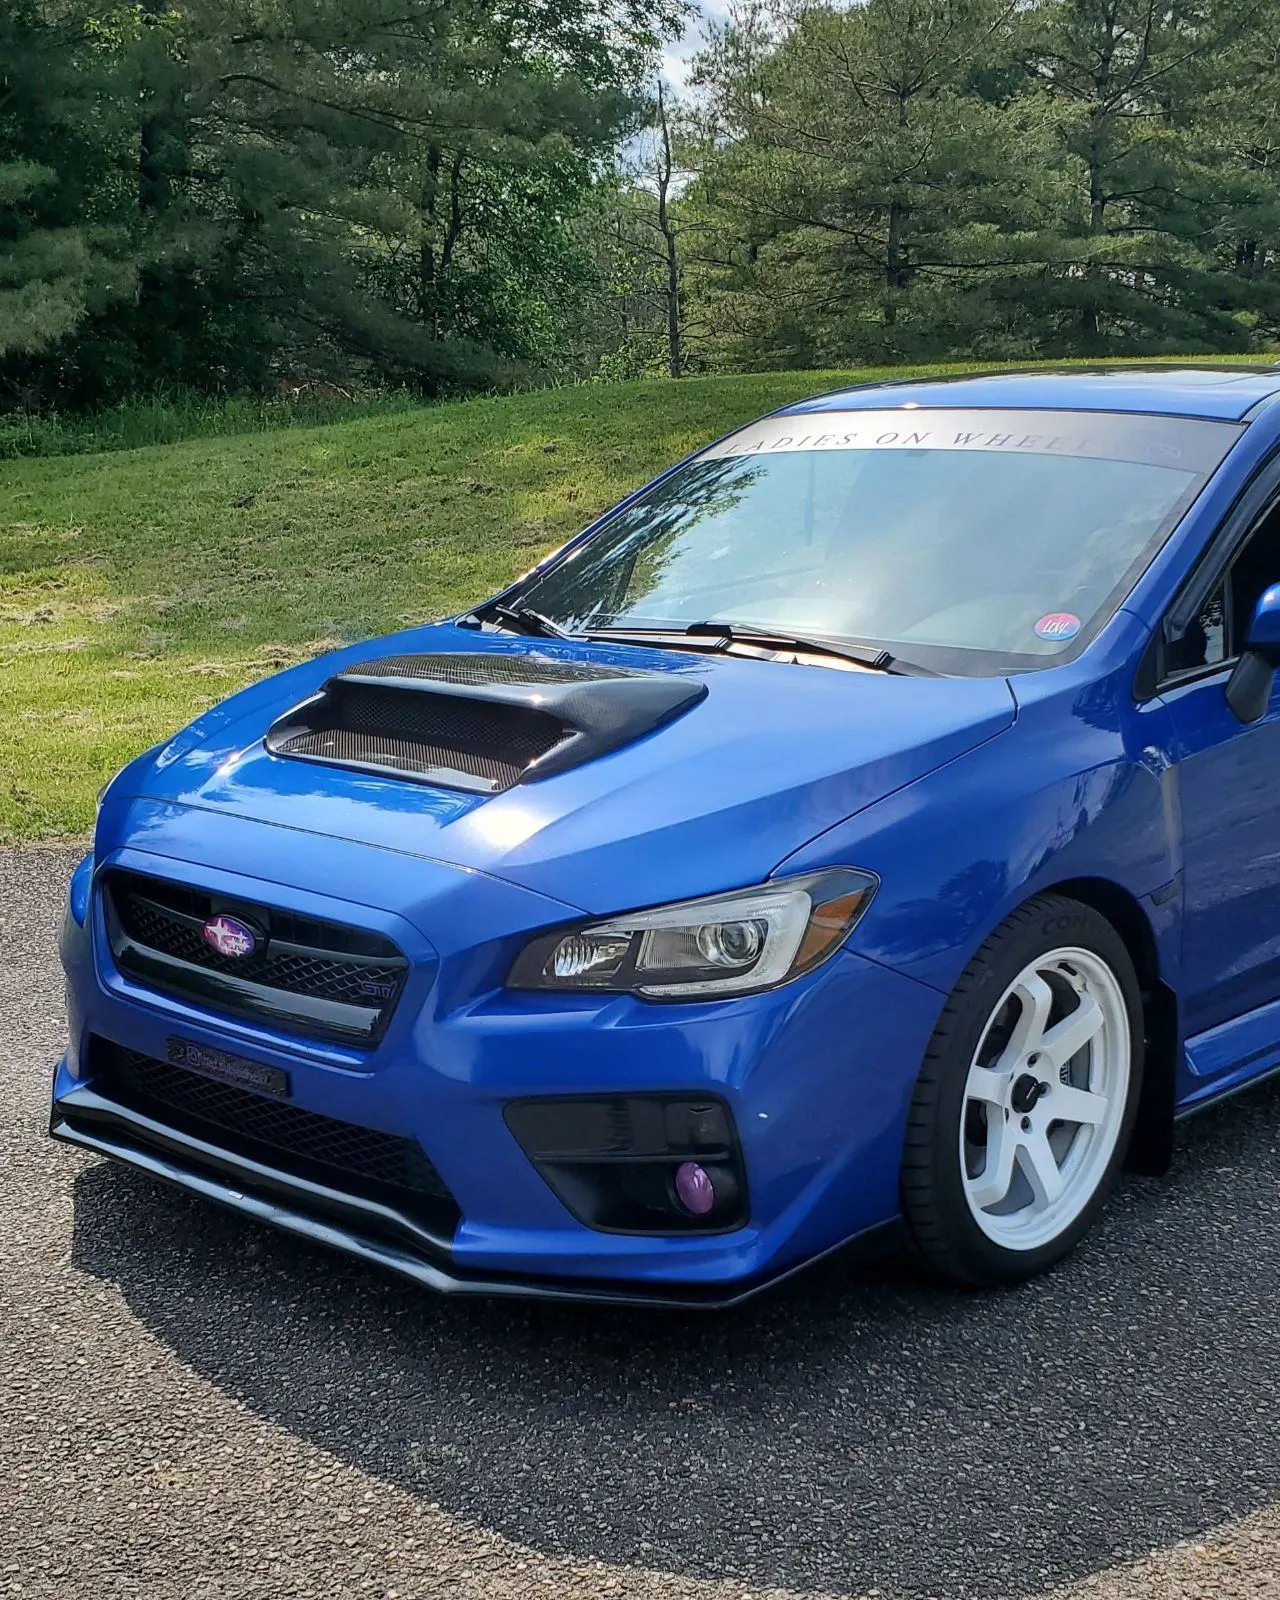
(1058, 625)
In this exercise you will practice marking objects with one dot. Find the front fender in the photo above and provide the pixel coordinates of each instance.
(1081, 787)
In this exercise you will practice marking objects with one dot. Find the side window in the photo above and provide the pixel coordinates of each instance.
(1255, 567)
(1204, 641)
(1216, 633)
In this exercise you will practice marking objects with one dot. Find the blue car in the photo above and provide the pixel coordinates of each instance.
(867, 832)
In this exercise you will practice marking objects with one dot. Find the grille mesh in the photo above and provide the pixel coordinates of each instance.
(479, 723)
(348, 982)
(422, 733)
(399, 755)
(285, 1137)
(300, 956)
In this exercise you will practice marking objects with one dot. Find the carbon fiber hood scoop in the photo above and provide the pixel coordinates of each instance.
(480, 723)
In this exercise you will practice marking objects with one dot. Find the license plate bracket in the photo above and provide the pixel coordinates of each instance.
(224, 1067)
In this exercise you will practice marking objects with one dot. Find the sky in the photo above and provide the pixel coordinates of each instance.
(676, 58)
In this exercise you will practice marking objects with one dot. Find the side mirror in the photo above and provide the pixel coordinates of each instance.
(1249, 686)
(1263, 637)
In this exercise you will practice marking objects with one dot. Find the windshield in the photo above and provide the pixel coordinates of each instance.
(971, 542)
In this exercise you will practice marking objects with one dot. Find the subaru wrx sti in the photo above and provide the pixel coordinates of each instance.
(869, 829)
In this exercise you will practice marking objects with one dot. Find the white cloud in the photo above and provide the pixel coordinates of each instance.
(676, 58)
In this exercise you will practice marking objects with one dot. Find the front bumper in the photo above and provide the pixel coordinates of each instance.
(362, 1228)
(817, 1077)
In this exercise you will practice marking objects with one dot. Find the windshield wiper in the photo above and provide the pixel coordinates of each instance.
(874, 657)
(522, 619)
(866, 655)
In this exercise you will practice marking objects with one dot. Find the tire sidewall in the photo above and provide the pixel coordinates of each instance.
(1044, 924)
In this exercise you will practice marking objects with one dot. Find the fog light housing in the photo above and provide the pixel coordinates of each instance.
(643, 1163)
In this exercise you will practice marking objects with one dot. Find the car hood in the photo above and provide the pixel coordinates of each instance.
(773, 754)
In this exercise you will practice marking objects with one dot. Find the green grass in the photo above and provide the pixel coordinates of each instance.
(138, 587)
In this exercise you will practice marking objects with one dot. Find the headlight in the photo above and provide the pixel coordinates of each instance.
(725, 944)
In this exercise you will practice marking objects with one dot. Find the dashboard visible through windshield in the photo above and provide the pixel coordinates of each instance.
(970, 542)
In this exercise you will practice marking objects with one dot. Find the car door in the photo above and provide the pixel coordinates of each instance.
(1228, 784)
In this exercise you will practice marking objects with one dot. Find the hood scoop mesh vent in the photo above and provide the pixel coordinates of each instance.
(481, 723)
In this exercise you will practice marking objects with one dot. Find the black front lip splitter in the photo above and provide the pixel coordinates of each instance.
(359, 1227)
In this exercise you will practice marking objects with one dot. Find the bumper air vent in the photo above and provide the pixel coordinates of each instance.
(633, 1163)
(377, 1166)
(480, 723)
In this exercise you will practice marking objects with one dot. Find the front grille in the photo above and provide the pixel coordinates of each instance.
(420, 734)
(284, 1137)
(315, 976)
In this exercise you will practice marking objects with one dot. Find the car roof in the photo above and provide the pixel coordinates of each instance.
(1223, 393)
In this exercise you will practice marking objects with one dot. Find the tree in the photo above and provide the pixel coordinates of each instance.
(866, 188)
(643, 232)
(908, 178)
(670, 246)
(1240, 122)
(1129, 85)
(350, 187)
(61, 255)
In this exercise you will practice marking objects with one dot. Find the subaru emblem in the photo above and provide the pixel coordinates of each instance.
(229, 936)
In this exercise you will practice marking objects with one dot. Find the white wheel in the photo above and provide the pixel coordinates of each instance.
(1026, 1097)
(1045, 1099)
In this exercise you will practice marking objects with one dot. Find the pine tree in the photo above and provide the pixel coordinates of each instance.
(62, 253)
(1129, 85)
(389, 181)
(340, 188)
(873, 189)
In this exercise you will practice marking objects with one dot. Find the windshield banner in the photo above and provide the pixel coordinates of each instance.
(1186, 444)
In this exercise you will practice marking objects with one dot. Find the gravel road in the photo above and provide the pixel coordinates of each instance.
(192, 1406)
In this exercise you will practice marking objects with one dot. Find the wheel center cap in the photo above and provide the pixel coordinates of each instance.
(1025, 1092)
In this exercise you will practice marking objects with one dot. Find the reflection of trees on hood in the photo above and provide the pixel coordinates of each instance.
(626, 561)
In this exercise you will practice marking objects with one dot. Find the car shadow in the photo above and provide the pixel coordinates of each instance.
(848, 1432)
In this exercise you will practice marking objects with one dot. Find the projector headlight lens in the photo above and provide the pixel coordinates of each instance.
(722, 945)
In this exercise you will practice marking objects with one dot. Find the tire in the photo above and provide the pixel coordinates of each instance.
(979, 1196)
